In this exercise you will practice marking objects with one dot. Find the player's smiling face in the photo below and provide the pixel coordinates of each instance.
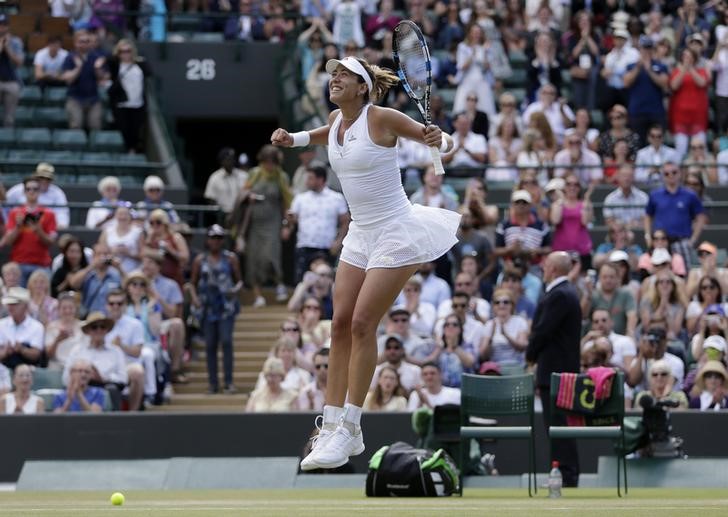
(344, 85)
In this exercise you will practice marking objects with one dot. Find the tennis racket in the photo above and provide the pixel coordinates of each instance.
(412, 58)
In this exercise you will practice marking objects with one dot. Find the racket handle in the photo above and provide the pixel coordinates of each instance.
(437, 161)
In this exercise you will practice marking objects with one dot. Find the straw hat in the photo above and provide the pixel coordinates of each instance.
(135, 275)
(97, 317)
(708, 367)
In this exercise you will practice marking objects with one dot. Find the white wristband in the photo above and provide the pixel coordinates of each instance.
(301, 139)
(444, 145)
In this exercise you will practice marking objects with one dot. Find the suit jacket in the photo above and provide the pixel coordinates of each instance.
(555, 334)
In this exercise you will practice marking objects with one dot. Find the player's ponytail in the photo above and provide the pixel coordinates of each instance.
(382, 80)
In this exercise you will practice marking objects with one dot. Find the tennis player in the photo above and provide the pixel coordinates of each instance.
(387, 240)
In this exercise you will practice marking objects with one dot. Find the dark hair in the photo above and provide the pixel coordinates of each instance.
(714, 282)
(29, 179)
(225, 153)
(461, 294)
(269, 153)
(116, 292)
(431, 364)
(323, 352)
(318, 171)
(378, 401)
(444, 322)
(55, 39)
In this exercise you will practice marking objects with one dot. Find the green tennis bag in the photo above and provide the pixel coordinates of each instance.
(400, 470)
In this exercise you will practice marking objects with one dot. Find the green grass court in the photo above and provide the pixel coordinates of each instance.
(510, 502)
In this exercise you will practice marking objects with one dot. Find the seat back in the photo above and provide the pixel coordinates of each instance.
(47, 378)
(486, 396)
(609, 412)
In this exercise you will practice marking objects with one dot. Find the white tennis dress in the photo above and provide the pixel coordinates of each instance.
(386, 230)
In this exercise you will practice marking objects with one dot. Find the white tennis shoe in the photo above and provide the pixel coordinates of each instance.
(338, 447)
(318, 441)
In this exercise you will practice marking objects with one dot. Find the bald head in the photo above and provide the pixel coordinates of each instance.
(557, 264)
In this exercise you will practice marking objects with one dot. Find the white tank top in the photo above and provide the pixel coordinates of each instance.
(28, 408)
(369, 174)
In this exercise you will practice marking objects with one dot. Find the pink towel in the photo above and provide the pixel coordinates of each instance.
(602, 377)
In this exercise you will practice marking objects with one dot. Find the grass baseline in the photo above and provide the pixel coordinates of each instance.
(295, 502)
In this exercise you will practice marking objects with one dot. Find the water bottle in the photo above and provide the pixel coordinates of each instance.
(555, 480)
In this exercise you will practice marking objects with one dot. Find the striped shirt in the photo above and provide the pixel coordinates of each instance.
(534, 235)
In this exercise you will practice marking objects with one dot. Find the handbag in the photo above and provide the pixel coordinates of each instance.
(116, 92)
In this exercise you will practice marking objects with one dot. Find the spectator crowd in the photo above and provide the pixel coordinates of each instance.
(113, 318)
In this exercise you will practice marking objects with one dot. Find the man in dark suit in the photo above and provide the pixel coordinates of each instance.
(554, 347)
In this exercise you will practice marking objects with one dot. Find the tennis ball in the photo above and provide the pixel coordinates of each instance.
(117, 498)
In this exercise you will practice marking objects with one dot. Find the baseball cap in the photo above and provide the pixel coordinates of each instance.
(660, 256)
(396, 337)
(621, 33)
(714, 308)
(646, 41)
(44, 170)
(216, 231)
(618, 256)
(696, 37)
(398, 309)
(555, 184)
(709, 247)
(521, 195)
(153, 182)
(656, 334)
(717, 342)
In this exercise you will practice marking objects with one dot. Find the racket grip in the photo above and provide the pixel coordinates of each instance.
(437, 161)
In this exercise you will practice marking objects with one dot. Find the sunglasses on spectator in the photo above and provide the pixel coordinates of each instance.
(574, 142)
(96, 327)
(32, 189)
(600, 320)
(114, 304)
(708, 286)
(138, 284)
(393, 347)
(459, 305)
(669, 172)
(320, 366)
(572, 183)
(124, 51)
(659, 374)
(311, 307)
(712, 375)
(472, 99)
(452, 324)
(155, 222)
(400, 320)
(291, 329)
(505, 301)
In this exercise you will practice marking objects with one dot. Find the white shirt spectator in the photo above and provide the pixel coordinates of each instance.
(446, 395)
(434, 291)
(97, 213)
(49, 64)
(296, 379)
(422, 321)
(501, 350)
(676, 366)
(5, 382)
(29, 331)
(311, 398)
(617, 61)
(628, 215)
(722, 160)
(51, 197)
(472, 330)
(587, 168)
(409, 375)
(649, 161)
(318, 217)
(474, 143)
(108, 360)
(720, 63)
(224, 188)
(347, 23)
(411, 343)
(482, 307)
(131, 333)
(554, 116)
(621, 346)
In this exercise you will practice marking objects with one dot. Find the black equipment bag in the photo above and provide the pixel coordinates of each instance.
(400, 470)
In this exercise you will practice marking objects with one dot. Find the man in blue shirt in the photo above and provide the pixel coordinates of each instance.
(95, 281)
(83, 70)
(646, 81)
(675, 210)
(79, 396)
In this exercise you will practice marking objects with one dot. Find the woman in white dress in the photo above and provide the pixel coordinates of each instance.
(22, 400)
(124, 239)
(474, 74)
(387, 241)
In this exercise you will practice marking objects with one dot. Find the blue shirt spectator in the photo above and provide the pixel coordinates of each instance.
(91, 394)
(674, 211)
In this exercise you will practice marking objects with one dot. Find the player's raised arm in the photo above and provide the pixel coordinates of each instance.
(318, 136)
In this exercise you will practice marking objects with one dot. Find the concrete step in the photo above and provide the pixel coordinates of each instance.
(253, 365)
(219, 399)
(194, 408)
(199, 387)
(258, 346)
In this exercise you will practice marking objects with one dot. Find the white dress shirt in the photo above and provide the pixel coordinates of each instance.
(649, 162)
(28, 331)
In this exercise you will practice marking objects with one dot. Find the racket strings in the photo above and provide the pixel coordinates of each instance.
(412, 62)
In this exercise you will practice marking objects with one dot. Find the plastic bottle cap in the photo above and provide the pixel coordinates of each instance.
(554, 464)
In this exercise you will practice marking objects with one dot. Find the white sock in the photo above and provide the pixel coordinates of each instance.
(332, 415)
(352, 416)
